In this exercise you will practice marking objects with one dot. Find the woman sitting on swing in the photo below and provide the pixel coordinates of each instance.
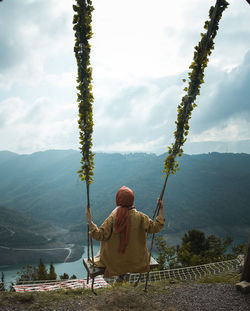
(123, 236)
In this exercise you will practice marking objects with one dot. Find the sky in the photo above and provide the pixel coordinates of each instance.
(140, 52)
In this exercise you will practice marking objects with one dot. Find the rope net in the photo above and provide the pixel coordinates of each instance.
(183, 274)
(186, 273)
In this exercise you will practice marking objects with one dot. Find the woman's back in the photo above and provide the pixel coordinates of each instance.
(135, 257)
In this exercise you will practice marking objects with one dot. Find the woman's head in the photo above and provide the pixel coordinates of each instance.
(125, 197)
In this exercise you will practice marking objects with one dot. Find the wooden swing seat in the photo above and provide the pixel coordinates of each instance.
(94, 271)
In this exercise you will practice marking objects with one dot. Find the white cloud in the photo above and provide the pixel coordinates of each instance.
(66, 79)
(232, 130)
(39, 125)
(34, 33)
(139, 39)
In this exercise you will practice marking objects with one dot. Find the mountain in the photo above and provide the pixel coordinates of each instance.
(218, 146)
(24, 239)
(210, 192)
(18, 230)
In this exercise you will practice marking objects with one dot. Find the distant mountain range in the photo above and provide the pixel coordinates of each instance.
(218, 146)
(210, 192)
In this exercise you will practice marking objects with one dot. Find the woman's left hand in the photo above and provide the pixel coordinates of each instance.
(88, 214)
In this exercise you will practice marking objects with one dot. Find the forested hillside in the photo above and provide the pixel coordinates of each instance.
(210, 192)
(20, 230)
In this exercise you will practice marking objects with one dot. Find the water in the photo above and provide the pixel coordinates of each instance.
(75, 267)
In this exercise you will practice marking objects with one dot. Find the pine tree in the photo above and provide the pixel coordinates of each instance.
(42, 271)
(198, 242)
(52, 274)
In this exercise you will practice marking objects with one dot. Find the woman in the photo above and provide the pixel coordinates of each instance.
(123, 236)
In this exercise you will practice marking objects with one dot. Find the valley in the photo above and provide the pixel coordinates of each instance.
(42, 199)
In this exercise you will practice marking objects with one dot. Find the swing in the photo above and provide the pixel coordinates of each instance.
(83, 32)
(94, 271)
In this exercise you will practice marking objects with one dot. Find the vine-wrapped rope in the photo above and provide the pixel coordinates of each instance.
(201, 57)
(83, 33)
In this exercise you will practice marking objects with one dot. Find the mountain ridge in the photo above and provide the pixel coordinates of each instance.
(210, 191)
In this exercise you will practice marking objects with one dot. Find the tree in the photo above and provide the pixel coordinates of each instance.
(32, 273)
(196, 249)
(2, 283)
(194, 245)
(42, 273)
(245, 276)
(52, 274)
(218, 247)
(161, 246)
(198, 242)
(167, 257)
(27, 273)
(64, 276)
(239, 249)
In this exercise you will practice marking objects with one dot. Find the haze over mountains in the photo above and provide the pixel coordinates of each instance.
(218, 146)
(43, 192)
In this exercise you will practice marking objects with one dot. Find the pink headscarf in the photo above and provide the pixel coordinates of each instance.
(124, 202)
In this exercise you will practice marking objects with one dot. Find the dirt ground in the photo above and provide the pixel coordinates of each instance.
(178, 296)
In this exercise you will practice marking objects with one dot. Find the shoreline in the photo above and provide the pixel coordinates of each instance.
(16, 256)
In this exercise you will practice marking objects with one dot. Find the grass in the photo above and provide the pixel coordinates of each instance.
(229, 277)
(119, 297)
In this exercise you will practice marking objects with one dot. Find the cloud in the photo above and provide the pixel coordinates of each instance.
(31, 35)
(140, 54)
(140, 117)
(138, 39)
(143, 116)
(233, 129)
(226, 110)
(39, 125)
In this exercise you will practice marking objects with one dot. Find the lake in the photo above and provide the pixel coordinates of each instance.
(75, 267)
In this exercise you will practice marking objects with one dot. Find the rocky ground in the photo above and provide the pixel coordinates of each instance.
(208, 294)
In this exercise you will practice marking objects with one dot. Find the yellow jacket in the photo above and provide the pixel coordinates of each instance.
(136, 256)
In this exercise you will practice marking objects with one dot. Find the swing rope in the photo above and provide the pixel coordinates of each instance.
(90, 240)
(196, 76)
(83, 32)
